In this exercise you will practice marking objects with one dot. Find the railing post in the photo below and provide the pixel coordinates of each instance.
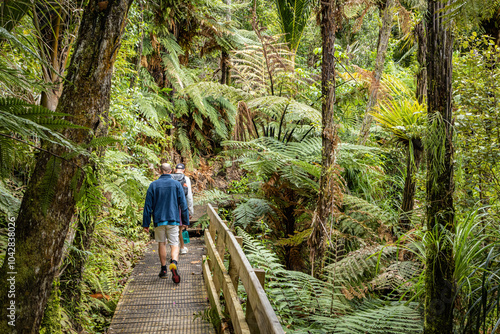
(233, 270)
(221, 247)
(250, 316)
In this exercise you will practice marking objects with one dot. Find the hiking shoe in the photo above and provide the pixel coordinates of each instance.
(162, 274)
(175, 275)
(183, 250)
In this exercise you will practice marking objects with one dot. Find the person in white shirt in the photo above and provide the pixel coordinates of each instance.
(180, 169)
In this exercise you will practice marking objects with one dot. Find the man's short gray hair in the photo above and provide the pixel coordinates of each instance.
(165, 167)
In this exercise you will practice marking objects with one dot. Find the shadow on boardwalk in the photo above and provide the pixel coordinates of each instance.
(153, 305)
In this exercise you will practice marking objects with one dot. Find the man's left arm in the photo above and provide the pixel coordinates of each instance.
(181, 199)
(189, 198)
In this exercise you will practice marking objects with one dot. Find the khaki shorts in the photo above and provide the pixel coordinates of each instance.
(168, 233)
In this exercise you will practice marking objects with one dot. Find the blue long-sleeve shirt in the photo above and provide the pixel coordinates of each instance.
(163, 200)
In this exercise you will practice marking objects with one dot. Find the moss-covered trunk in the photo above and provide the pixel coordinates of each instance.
(329, 196)
(40, 232)
(439, 284)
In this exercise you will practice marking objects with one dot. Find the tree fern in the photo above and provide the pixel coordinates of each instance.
(250, 211)
(309, 305)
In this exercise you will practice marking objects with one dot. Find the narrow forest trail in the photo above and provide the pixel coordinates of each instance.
(153, 305)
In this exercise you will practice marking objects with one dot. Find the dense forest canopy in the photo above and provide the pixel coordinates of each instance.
(354, 145)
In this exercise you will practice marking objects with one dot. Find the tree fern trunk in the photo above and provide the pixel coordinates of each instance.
(383, 42)
(421, 93)
(329, 194)
(412, 165)
(40, 233)
(439, 284)
(224, 67)
(225, 60)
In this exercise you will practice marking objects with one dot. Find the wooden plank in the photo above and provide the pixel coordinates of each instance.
(266, 318)
(217, 267)
(250, 315)
(220, 276)
(261, 275)
(221, 248)
(213, 296)
(234, 307)
(212, 227)
(208, 237)
(233, 271)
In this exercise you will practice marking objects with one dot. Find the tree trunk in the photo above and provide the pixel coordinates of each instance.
(383, 42)
(71, 276)
(412, 165)
(439, 284)
(225, 77)
(40, 233)
(330, 195)
(224, 67)
(140, 48)
(421, 93)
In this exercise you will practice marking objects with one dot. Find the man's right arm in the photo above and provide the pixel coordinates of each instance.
(148, 208)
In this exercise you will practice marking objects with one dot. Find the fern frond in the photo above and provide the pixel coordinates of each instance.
(49, 180)
(360, 264)
(381, 317)
(211, 196)
(104, 141)
(251, 211)
(9, 204)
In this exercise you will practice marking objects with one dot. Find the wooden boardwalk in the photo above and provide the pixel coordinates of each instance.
(152, 305)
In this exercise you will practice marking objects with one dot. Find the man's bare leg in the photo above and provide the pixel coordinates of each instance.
(162, 253)
(174, 252)
(181, 239)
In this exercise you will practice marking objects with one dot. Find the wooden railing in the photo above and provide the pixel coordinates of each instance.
(260, 316)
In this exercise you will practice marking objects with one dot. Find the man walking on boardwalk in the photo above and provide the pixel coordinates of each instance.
(179, 175)
(163, 200)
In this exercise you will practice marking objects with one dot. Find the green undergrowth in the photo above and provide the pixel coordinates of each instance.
(117, 246)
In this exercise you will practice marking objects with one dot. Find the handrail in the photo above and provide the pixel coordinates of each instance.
(260, 316)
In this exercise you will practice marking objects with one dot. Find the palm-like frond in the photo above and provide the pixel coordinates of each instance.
(293, 16)
(404, 118)
(13, 12)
